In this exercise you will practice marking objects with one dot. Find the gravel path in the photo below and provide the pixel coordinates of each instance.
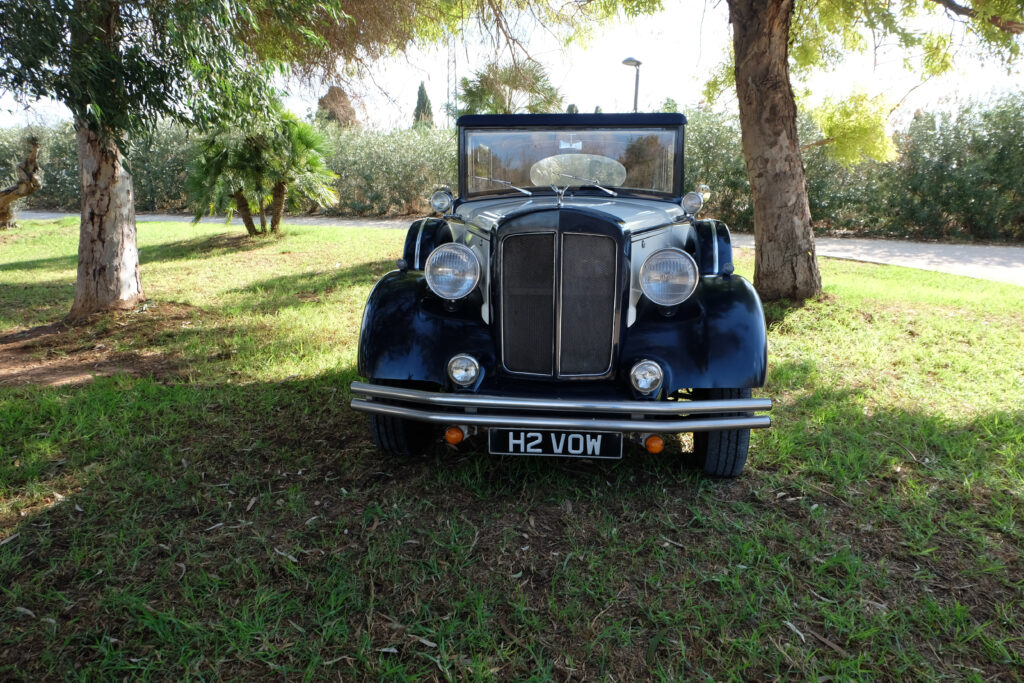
(1000, 263)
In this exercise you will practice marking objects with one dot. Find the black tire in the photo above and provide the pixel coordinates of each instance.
(722, 453)
(398, 437)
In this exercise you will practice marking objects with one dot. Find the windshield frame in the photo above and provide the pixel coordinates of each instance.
(555, 122)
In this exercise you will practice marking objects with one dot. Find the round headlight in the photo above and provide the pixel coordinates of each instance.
(668, 276)
(692, 202)
(452, 271)
(441, 201)
(463, 369)
(646, 376)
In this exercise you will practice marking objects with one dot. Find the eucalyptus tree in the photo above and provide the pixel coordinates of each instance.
(774, 39)
(120, 65)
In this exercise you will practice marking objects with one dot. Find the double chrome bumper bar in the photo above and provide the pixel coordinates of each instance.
(613, 416)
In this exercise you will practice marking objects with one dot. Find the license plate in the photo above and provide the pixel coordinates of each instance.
(564, 444)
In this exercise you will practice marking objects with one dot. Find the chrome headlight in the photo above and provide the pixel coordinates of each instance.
(452, 271)
(668, 276)
(441, 201)
(692, 203)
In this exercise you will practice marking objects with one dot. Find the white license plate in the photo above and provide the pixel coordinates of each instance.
(558, 443)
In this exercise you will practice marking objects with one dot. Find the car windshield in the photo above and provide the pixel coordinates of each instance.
(640, 159)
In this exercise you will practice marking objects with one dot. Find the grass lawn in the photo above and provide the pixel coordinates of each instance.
(184, 492)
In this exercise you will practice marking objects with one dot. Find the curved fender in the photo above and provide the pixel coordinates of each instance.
(409, 335)
(718, 341)
(715, 247)
(423, 236)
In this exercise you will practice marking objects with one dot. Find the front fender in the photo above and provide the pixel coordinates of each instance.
(407, 334)
(717, 340)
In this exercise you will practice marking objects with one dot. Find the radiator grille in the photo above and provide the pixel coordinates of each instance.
(558, 333)
(527, 302)
(587, 304)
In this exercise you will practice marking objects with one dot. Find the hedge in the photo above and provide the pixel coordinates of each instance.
(957, 175)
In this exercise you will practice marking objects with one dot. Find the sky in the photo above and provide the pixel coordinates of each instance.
(677, 48)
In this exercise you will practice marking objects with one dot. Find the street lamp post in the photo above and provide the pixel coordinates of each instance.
(630, 61)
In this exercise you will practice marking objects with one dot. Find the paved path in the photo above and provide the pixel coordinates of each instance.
(1000, 263)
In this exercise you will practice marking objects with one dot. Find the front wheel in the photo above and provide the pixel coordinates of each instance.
(722, 453)
(399, 437)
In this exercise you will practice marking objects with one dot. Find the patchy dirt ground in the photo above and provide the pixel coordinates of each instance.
(59, 354)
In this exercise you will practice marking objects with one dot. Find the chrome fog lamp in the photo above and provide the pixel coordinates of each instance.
(668, 276)
(692, 203)
(463, 369)
(646, 376)
(441, 201)
(452, 271)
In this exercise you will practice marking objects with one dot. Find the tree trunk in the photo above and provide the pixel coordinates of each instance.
(277, 205)
(263, 218)
(29, 180)
(785, 265)
(108, 258)
(242, 206)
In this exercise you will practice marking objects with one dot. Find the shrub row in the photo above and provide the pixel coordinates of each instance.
(957, 175)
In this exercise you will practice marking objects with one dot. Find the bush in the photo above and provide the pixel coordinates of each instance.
(390, 173)
(714, 156)
(958, 174)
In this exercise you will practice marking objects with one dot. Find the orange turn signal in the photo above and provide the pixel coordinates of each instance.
(454, 435)
(654, 444)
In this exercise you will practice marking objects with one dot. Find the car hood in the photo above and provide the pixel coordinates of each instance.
(630, 213)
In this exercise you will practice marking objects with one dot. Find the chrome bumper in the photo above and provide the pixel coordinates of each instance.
(612, 416)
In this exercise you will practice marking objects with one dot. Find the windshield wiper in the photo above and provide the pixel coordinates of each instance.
(505, 183)
(590, 181)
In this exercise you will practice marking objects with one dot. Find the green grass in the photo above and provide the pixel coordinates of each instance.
(209, 507)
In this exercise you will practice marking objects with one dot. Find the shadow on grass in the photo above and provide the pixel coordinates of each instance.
(203, 247)
(273, 294)
(227, 528)
(182, 250)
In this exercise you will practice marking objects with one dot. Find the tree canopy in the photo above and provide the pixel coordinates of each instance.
(509, 89)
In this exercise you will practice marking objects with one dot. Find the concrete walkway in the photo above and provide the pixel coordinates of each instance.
(999, 263)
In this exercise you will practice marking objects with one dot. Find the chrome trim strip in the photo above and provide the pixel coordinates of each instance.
(419, 236)
(478, 401)
(714, 242)
(684, 425)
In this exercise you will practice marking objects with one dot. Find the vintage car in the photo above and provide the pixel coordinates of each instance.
(568, 300)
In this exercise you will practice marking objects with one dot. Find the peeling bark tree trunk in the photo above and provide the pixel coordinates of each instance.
(108, 256)
(242, 206)
(785, 265)
(29, 180)
(277, 205)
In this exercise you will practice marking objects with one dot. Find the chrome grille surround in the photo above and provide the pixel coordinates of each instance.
(585, 275)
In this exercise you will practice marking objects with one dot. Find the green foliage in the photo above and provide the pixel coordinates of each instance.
(854, 129)
(669, 106)
(386, 173)
(714, 156)
(423, 115)
(253, 159)
(58, 161)
(958, 174)
(509, 89)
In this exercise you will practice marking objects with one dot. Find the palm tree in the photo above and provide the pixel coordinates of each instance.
(238, 171)
(509, 89)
